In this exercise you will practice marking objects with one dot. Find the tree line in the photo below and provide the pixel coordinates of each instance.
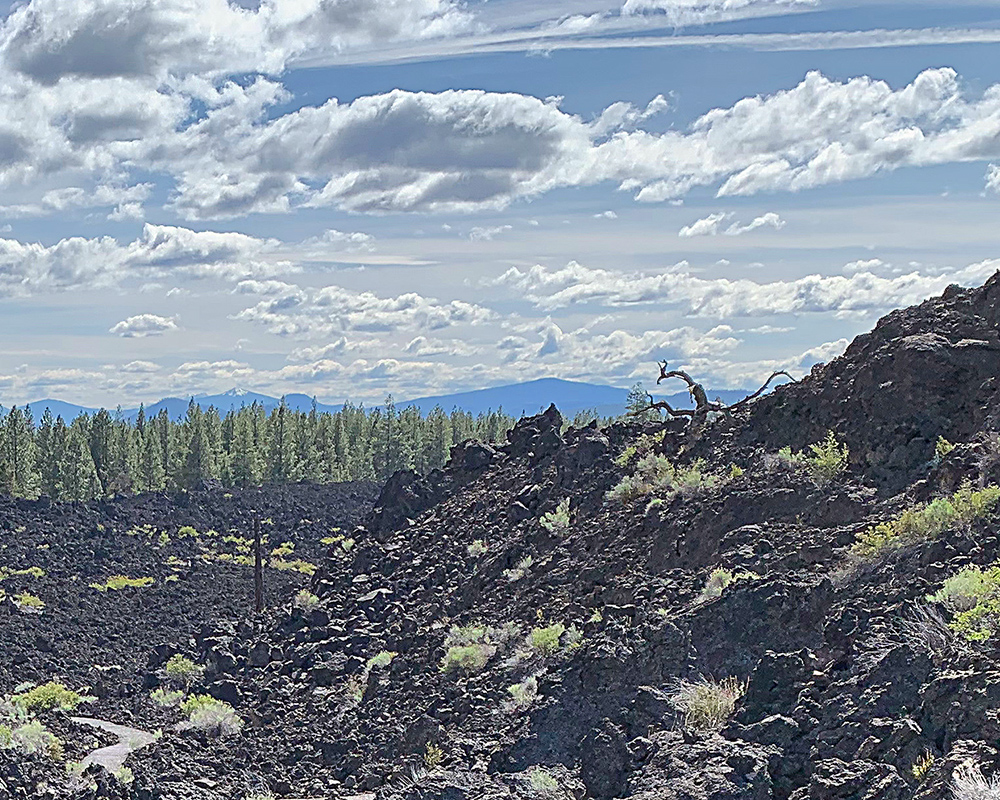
(104, 454)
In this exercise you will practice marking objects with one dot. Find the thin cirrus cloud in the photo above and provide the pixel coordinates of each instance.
(143, 325)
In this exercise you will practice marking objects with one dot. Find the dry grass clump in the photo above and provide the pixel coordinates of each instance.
(706, 704)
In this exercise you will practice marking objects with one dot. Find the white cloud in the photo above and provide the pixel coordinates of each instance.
(993, 178)
(479, 234)
(709, 226)
(606, 215)
(143, 325)
(723, 298)
(332, 310)
(690, 12)
(768, 220)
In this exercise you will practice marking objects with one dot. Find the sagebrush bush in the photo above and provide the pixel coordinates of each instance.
(542, 783)
(973, 595)
(118, 582)
(929, 521)
(467, 658)
(827, 459)
(306, 600)
(523, 694)
(720, 580)
(655, 474)
(33, 738)
(468, 648)
(520, 571)
(182, 670)
(706, 704)
(211, 716)
(47, 697)
(166, 698)
(545, 641)
(296, 565)
(557, 522)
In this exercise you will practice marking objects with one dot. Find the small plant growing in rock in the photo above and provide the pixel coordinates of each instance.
(707, 704)
(29, 603)
(306, 601)
(124, 776)
(214, 717)
(47, 697)
(520, 571)
(545, 641)
(927, 522)
(33, 738)
(468, 649)
(298, 565)
(119, 582)
(542, 783)
(380, 660)
(182, 671)
(922, 766)
(167, 698)
(655, 474)
(720, 580)
(557, 522)
(523, 694)
(827, 460)
(284, 549)
(476, 549)
(942, 448)
(433, 755)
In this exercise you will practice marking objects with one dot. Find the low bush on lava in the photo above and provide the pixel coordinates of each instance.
(167, 698)
(720, 580)
(522, 569)
(182, 671)
(119, 582)
(557, 522)
(305, 600)
(214, 717)
(973, 597)
(523, 694)
(929, 521)
(706, 704)
(469, 648)
(824, 461)
(654, 474)
(48, 697)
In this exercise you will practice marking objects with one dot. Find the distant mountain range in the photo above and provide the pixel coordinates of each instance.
(516, 399)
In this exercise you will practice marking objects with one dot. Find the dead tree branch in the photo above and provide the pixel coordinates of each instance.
(702, 404)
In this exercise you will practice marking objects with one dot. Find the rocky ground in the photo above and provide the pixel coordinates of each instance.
(468, 642)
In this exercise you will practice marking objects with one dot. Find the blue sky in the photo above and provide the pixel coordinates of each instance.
(349, 197)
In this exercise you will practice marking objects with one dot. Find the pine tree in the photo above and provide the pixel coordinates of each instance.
(19, 471)
(80, 479)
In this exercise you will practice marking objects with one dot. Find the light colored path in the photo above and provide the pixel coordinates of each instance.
(112, 758)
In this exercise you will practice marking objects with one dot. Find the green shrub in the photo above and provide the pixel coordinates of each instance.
(284, 549)
(523, 694)
(306, 600)
(166, 698)
(187, 531)
(545, 641)
(520, 571)
(719, 581)
(476, 549)
(28, 602)
(33, 738)
(47, 697)
(929, 521)
(467, 658)
(183, 670)
(215, 717)
(973, 596)
(706, 704)
(828, 459)
(298, 565)
(118, 582)
(942, 448)
(542, 783)
(655, 474)
(380, 660)
(557, 522)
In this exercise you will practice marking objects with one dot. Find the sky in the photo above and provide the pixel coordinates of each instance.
(347, 198)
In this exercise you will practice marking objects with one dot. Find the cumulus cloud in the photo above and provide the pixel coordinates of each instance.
(143, 325)
(723, 298)
(768, 220)
(708, 226)
(332, 310)
(993, 178)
